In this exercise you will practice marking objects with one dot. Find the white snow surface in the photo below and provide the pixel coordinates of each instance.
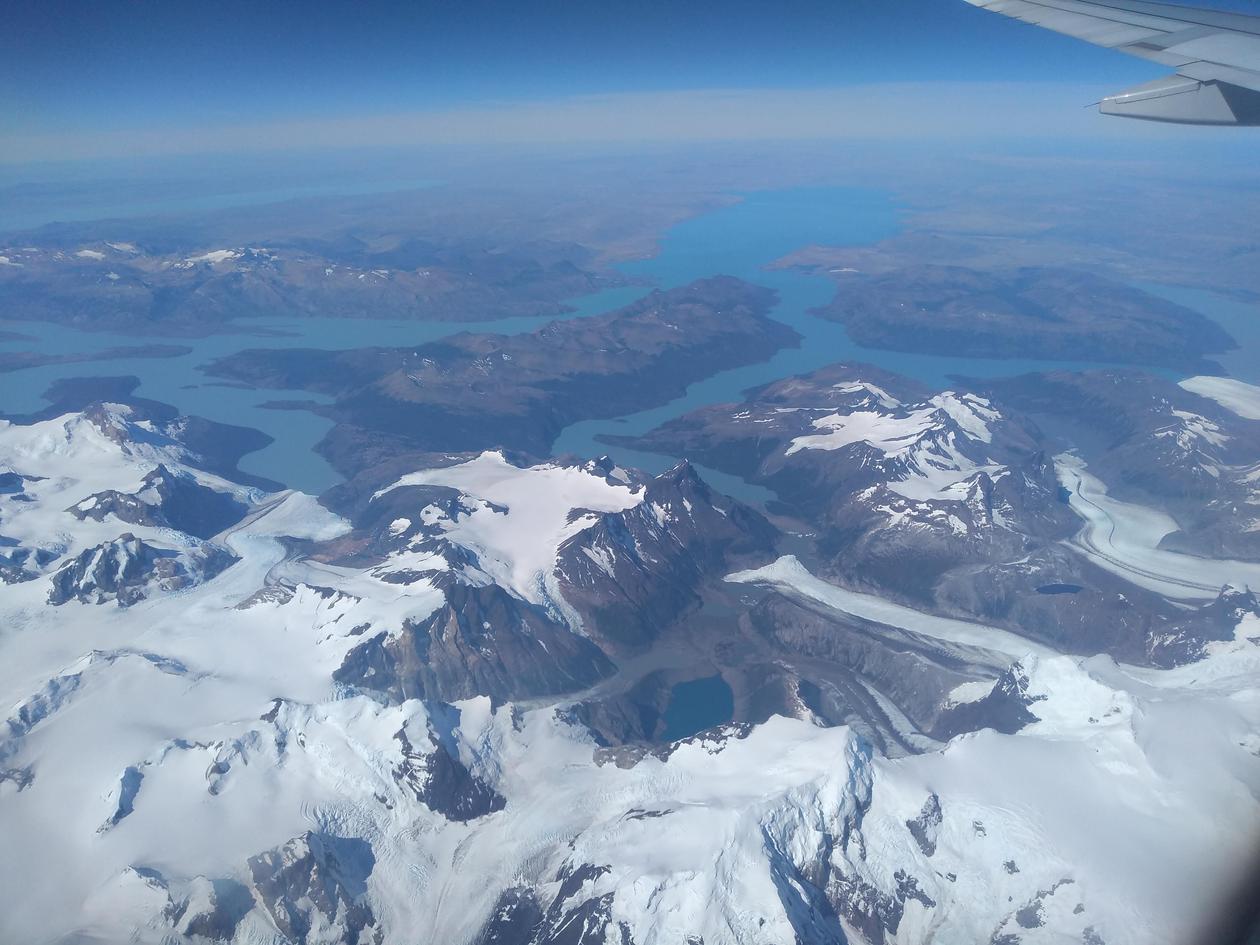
(1124, 538)
(75, 457)
(215, 256)
(854, 387)
(1113, 764)
(1240, 397)
(925, 439)
(882, 431)
(1105, 796)
(789, 574)
(892, 434)
(519, 517)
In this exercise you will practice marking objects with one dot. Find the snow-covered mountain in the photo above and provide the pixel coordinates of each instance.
(1192, 449)
(960, 502)
(886, 471)
(378, 729)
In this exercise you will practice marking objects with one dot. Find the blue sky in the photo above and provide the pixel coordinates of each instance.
(76, 75)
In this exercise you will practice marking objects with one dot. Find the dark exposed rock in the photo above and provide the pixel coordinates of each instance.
(1005, 709)
(443, 782)
(271, 594)
(520, 391)
(908, 888)
(127, 570)
(1031, 916)
(1186, 640)
(210, 909)
(632, 716)
(18, 564)
(750, 439)
(882, 539)
(313, 888)
(845, 657)
(875, 913)
(635, 572)
(1001, 501)
(573, 915)
(1031, 312)
(925, 827)
(481, 641)
(374, 515)
(12, 484)
(206, 276)
(128, 788)
(515, 920)
(167, 500)
(1106, 615)
(574, 920)
(1155, 443)
(989, 546)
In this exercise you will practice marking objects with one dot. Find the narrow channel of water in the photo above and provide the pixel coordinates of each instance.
(180, 382)
(1241, 319)
(740, 240)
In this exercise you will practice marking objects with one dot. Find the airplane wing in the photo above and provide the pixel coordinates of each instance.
(1216, 55)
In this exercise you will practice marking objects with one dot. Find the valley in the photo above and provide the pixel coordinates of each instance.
(680, 617)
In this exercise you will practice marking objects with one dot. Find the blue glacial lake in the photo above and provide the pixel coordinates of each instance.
(697, 705)
(740, 240)
(1240, 319)
(178, 381)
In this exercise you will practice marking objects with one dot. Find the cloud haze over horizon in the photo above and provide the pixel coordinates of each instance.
(891, 110)
(79, 82)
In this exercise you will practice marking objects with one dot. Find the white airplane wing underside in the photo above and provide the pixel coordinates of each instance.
(1216, 55)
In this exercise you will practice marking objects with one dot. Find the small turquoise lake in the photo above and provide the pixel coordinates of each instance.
(697, 705)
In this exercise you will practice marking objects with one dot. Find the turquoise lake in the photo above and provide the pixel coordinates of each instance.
(697, 705)
(179, 381)
(739, 240)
